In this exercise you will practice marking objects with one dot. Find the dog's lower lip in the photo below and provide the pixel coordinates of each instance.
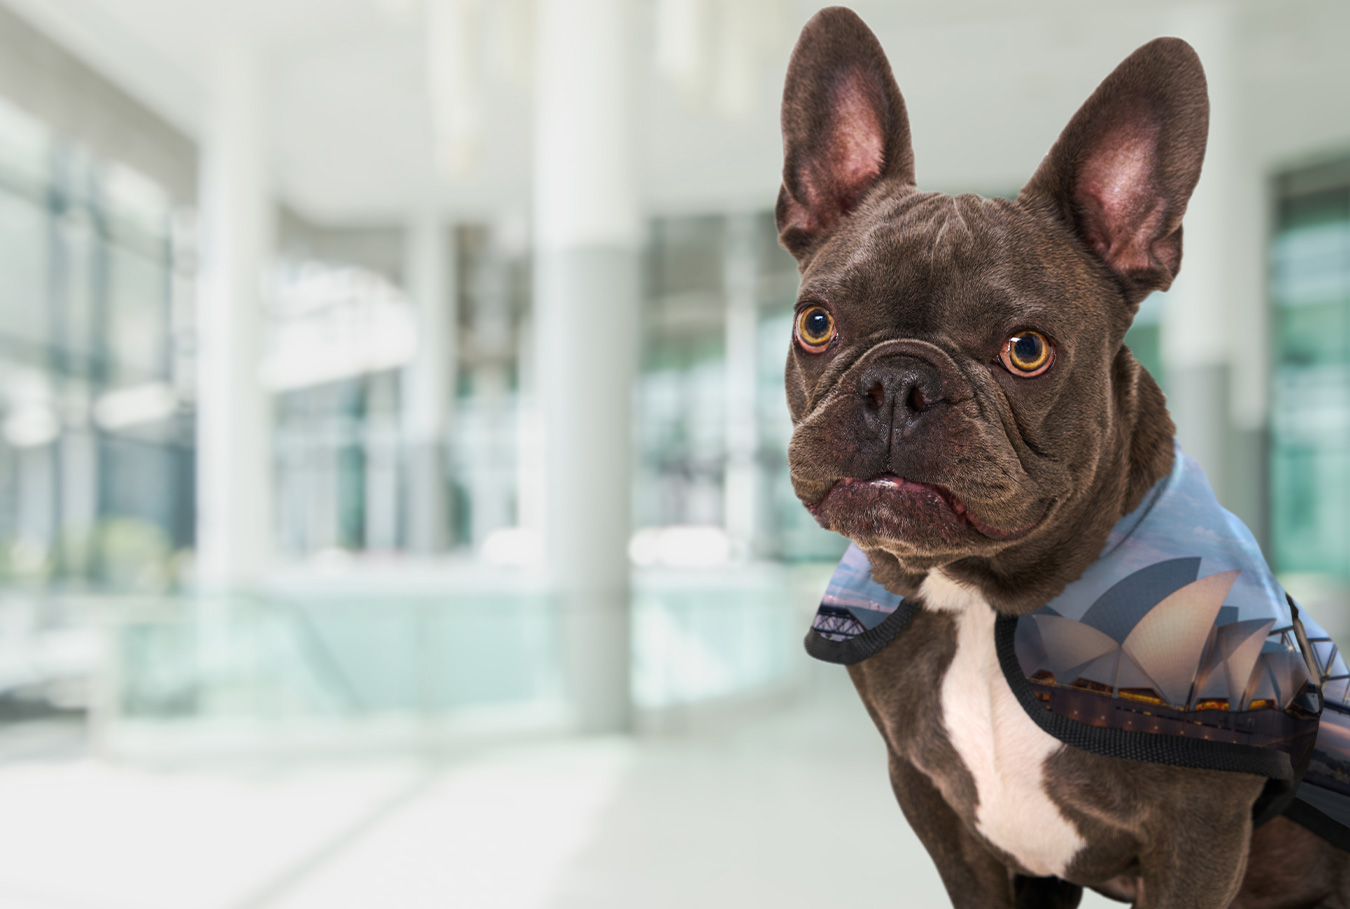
(887, 482)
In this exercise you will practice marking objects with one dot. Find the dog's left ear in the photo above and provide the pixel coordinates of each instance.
(844, 128)
(1122, 171)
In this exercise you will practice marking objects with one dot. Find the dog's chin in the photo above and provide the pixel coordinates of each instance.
(919, 517)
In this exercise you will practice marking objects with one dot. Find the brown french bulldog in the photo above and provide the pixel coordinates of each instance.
(966, 412)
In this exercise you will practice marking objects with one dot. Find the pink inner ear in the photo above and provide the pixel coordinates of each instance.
(852, 154)
(856, 148)
(1123, 207)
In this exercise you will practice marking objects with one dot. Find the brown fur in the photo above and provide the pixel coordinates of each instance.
(924, 289)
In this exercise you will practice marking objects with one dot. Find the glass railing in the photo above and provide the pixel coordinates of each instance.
(426, 666)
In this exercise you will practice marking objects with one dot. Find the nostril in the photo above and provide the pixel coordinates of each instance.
(917, 402)
(876, 394)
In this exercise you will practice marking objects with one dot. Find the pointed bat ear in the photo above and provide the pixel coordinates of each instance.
(1122, 171)
(844, 128)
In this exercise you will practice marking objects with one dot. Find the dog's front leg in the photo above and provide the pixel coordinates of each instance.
(1200, 867)
(974, 876)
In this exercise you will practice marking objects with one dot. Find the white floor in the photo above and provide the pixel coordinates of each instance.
(789, 810)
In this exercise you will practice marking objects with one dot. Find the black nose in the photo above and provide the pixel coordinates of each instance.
(898, 394)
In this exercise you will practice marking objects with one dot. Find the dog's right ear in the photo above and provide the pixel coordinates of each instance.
(844, 128)
(1121, 173)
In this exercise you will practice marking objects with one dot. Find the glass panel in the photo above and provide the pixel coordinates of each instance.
(702, 355)
(1313, 486)
(321, 467)
(347, 655)
(681, 429)
(1310, 420)
(138, 316)
(80, 333)
(93, 487)
(687, 255)
(139, 208)
(25, 310)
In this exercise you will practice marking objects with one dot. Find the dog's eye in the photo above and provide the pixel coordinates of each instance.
(815, 329)
(1027, 353)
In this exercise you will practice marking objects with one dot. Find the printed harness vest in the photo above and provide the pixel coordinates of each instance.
(1177, 646)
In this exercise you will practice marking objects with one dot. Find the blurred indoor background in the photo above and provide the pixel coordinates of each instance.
(393, 500)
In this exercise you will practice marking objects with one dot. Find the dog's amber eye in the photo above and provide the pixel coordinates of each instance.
(815, 328)
(1027, 353)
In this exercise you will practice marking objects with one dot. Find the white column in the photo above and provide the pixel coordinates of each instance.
(234, 467)
(79, 492)
(428, 382)
(492, 352)
(1246, 298)
(586, 300)
(530, 455)
(1215, 327)
(740, 282)
(382, 468)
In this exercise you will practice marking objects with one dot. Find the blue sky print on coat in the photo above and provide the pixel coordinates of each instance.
(853, 602)
(1180, 517)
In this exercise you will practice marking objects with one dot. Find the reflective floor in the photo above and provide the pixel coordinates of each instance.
(789, 809)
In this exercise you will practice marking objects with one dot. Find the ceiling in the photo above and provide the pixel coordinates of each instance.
(988, 85)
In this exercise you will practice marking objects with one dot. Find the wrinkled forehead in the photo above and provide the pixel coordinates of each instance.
(927, 257)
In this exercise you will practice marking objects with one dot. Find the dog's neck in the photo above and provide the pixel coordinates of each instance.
(1028, 574)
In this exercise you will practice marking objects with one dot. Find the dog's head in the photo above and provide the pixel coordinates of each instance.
(957, 379)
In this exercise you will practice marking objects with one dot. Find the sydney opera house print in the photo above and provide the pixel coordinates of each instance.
(1160, 652)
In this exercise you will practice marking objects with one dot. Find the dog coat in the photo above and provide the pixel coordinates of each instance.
(1176, 646)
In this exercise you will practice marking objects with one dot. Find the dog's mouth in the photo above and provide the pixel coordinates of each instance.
(892, 507)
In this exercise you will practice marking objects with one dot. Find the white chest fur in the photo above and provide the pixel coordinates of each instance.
(1000, 745)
